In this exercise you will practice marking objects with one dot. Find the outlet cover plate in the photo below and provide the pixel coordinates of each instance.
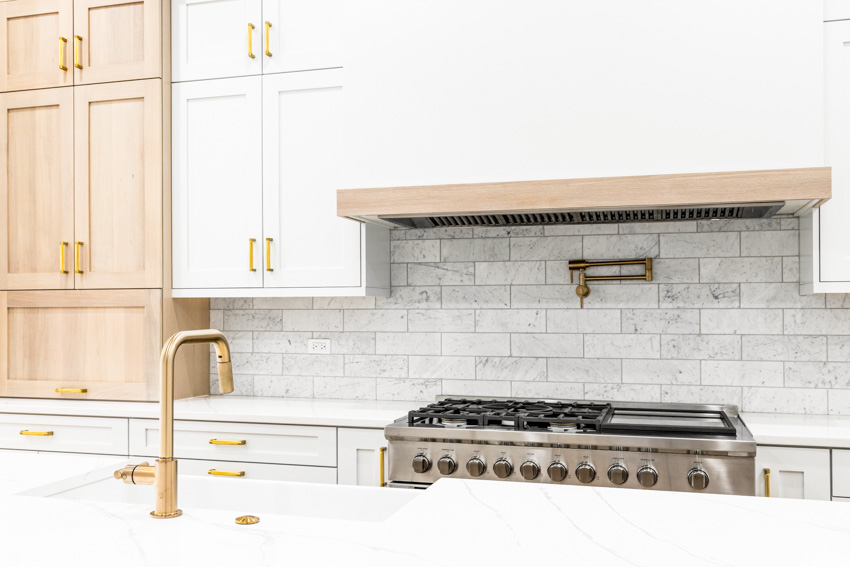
(319, 346)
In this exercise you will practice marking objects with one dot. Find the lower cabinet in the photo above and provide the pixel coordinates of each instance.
(234, 471)
(358, 456)
(841, 474)
(95, 435)
(794, 472)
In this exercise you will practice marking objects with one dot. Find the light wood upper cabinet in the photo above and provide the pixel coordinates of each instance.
(118, 40)
(105, 342)
(119, 184)
(31, 44)
(37, 191)
(302, 34)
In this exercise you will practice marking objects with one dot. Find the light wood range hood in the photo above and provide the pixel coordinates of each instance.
(646, 198)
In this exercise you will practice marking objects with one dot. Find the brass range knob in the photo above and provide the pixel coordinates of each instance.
(503, 468)
(647, 476)
(475, 466)
(446, 465)
(618, 474)
(585, 472)
(421, 464)
(557, 471)
(529, 470)
(698, 478)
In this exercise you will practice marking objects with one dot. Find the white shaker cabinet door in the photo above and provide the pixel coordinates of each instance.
(358, 456)
(216, 38)
(309, 245)
(801, 473)
(300, 35)
(217, 183)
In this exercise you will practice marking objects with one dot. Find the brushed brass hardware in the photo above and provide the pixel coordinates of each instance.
(225, 473)
(226, 442)
(582, 290)
(381, 475)
(71, 390)
(247, 520)
(78, 43)
(164, 473)
(268, 25)
(77, 257)
(62, 246)
(767, 483)
(269, 254)
(62, 42)
(37, 433)
(251, 242)
(251, 40)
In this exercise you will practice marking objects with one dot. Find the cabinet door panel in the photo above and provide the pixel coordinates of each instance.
(121, 40)
(118, 185)
(37, 192)
(211, 40)
(358, 456)
(302, 146)
(105, 342)
(304, 34)
(800, 473)
(217, 183)
(30, 44)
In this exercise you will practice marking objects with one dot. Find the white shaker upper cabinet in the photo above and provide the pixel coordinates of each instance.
(300, 35)
(216, 38)
(308, 244)
(217, 184)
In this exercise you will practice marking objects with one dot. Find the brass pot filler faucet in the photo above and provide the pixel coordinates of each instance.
(582, 289)
(164, 475)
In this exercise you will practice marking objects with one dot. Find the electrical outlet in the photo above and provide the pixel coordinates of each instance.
(319, 346)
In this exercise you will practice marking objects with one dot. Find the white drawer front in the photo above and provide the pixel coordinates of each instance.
(256, 471)
(282, 444)
(841, 472)
(106, 436)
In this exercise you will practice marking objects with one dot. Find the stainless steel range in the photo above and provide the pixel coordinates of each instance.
(683, 447)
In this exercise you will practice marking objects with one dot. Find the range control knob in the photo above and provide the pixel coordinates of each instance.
(698, 478)
(647, 476)
(557, 471)
(618, 474)
(585, 472)
(529, 470)
(446, 465)
(421, 463)
(503, 468)
(475, 466)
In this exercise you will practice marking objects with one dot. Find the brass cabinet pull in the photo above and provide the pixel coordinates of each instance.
(251, 242)
(767, 483)
(77, 257)
(251, 40)
(77, 45)
(62, 42)
(225, 473)
(37, 433)
(268, 25)
(269, 254)
(62, 246)
(71, 390)
(225, 442)
(381, 477)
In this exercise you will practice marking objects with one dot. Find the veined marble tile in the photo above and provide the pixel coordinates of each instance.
(741, 321)
(441, 273)
(476, 297)
(441, 320)
(378, 320)
(344, 388)
(477, 388)
(839, 349)
(445, 367)
(312, 320)
(231, 303)
(678, 321)
(701, 347)
(737, 270)
(839, 402)
(778, 295)
(216, 319)
(580, 229)
(666, 270)
(817, 374)
(622, 392)
(737, 225)
(510, 368)
(414, 251)
(510, 321)
(583, 321)
(817, 321)
(413, 297)
(787, 348)
(436, 233)
(311, 365)
(377, 366)
(349, 343)
(620, 246)
(283, 386)
(547, 390)
(547, 345)
(838, 300)
(502, 273)
(343, 303)
(790, 223)
(240, 341)
(252, 320)
(243, 384)
(274, 341)
(505, 231)
(791, 269)
(770, 243)
(256, 363)
(701, 394)
(661, 371)
(742, 373)
(584, 370)
(713, 295)
(398, 275)
(408, 390)
(475, 250)
(700, 245)
(476, 344)
(785, 400)
(546, 248)
(621, 346)
(407, 343)
(657, 227)
(283, 303)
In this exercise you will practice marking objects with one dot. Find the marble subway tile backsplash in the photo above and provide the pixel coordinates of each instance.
(491, 312)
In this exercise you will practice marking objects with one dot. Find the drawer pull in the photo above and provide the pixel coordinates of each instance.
(37, 433)
(71, 390)
(268, 25)
(767, 483)
(62, 42)
(225, 473)
(250, 40)
(78, 41)
(225, 442)
(381, 476)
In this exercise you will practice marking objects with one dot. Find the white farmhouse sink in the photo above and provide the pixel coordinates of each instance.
(245, 496)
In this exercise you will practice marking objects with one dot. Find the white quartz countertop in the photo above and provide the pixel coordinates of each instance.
(799, 430)
(24, 470)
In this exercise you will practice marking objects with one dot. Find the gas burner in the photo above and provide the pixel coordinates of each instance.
(562, 427)
(454, 422)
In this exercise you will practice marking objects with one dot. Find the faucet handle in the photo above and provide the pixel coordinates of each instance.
(142, 473)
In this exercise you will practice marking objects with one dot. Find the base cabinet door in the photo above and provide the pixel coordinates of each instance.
(793, 472)
(301, 35)
(841, 473)
(80, 344)
(359, 456)
(36, 46)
